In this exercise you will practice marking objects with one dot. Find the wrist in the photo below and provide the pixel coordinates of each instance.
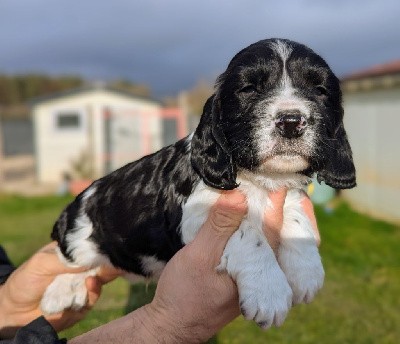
(147, 324)
(169, 324)
(5, 330)
(156, 323)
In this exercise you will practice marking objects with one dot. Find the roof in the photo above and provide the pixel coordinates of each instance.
(378, 77)
(388, 68)
(89, 88)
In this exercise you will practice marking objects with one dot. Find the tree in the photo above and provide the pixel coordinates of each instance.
(198, 95)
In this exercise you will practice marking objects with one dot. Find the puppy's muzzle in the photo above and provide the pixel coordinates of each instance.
(290, 124)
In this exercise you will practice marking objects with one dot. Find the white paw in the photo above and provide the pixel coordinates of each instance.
(67, 291)
(298, 253)
(265, 297)
(264, 292)
(305, 274)
(303, 269)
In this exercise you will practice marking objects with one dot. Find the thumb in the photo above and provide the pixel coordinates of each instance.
(309, 210)
(46, 262)
(224, 219)
(273, 218)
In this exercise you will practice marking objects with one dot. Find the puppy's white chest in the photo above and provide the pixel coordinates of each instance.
(196, 209)
(257, 203)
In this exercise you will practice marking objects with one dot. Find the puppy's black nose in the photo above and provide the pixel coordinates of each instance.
(290, 124)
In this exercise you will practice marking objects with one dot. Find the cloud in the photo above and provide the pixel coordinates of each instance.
(171, 44)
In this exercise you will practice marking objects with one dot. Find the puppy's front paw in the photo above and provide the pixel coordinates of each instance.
(303, 269)
(67, 291)
(265, 297)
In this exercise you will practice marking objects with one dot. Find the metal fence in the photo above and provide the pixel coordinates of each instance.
(17, 137)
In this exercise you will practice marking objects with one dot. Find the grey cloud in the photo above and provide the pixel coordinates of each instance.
(171, 44)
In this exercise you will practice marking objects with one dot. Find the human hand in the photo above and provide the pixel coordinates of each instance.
(20, 296)
(191, 296)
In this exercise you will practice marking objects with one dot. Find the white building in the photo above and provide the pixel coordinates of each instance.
(95, 130)
(372, 121)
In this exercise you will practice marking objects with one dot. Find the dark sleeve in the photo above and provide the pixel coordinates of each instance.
(38, 331)
(6, 267)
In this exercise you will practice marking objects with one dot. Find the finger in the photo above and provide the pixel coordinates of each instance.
(108, 273)
(309, 211)
(49, 247)
(93, 286)
(66, 319)
(273, 217)
(225, 217)
(227, 213)
(278, 198)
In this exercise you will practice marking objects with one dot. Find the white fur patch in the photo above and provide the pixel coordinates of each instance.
(195, 210)
(285, 99)
(286, 163)
(282, 49)
(189, 142)
(66, 291)
(275, 181)
(152, 266)
(69, 290)
(84, 251)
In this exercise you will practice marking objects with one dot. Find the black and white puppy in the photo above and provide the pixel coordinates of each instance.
(274, 120)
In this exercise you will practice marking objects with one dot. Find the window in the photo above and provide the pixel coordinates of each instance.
(68, 120)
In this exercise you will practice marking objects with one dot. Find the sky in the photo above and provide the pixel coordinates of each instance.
(170, 45)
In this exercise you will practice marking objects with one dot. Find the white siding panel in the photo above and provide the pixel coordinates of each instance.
(372, 121)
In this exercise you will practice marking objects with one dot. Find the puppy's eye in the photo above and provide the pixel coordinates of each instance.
(321, 90)
(248, 89)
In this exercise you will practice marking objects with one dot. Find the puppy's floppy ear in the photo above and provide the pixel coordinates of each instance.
(210, 154)
(339, 171)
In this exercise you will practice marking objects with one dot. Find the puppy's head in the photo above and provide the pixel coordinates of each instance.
(276, 109)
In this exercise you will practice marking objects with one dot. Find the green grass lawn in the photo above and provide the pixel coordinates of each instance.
(359, 303)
